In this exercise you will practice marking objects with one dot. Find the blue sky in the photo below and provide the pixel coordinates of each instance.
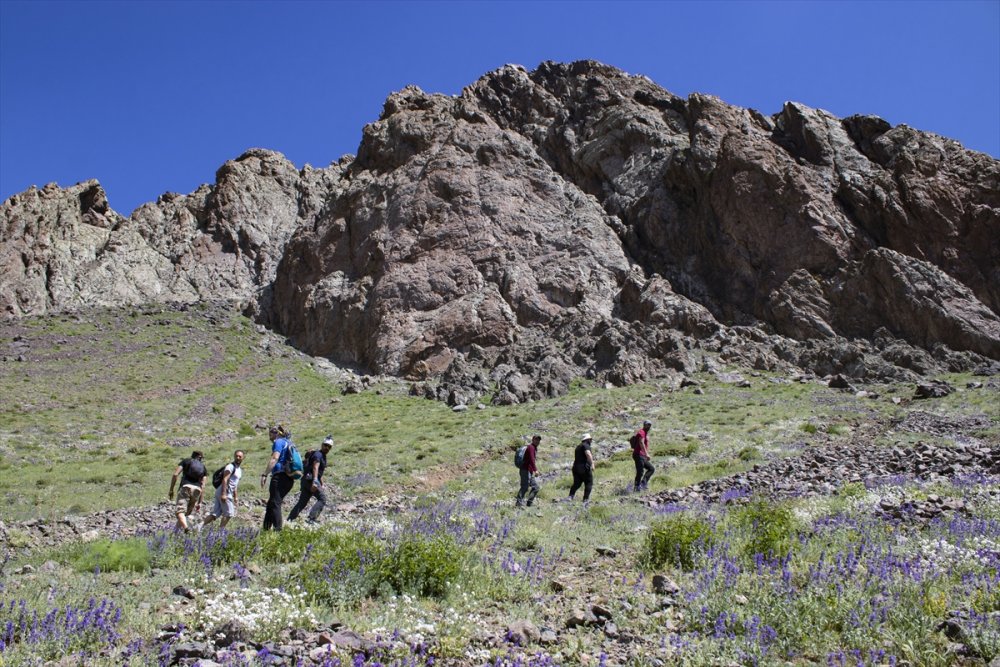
(150, 97)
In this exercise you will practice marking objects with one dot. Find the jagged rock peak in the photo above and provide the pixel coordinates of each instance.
(569, 220)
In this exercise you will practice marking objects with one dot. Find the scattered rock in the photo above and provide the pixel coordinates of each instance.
(663, 584)
(523, 632)
(184, 592)
(933, 389)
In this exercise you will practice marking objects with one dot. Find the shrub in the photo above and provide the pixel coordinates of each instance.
(676, 540)
(810, 428)
(748, 454)
(422, 566)
(246, 431)
(527, 538)
(769, 528)
(347, 567)
(126, 555)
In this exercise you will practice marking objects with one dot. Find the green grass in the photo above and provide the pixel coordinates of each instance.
(101, 419)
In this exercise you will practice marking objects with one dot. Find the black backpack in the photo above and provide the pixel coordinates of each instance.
(193, 470)
(519, 456)
(218, 476)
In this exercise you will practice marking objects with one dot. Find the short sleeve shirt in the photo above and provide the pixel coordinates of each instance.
(280, 444)
(315, 456)
(235, 474)
(580, 454)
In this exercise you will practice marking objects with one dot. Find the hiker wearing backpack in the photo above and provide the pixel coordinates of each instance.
(640, 455)
(281, 469)
(192, 475)
(312, 482)
(528, 472)
(226, 480)
(583, 468)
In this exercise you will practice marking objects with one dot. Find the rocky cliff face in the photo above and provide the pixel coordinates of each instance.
(570, 220)
(65, 248)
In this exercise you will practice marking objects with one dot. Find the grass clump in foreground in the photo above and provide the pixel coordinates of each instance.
(103, 555)
(677, 540)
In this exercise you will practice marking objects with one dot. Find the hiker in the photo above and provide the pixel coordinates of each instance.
(312, 482)
(640, 454)
(226, 495)
(191, 471)
(528, 472)
(281, 483)
(583, 468)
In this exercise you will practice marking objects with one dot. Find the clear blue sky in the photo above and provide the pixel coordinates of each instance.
(150, 97)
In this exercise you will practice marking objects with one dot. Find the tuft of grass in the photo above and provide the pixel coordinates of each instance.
(769, 528)
(676, 540)
(131, 555)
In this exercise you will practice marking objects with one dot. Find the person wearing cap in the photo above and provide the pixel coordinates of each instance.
(583, 468)
(312, 482)
(528, 473)
(640, 455)
(226, 495)
(192, 474)
(281, 483)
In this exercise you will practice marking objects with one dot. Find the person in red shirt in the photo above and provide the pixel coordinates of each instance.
(529, 471)
(640, 455)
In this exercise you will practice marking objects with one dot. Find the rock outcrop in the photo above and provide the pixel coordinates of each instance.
(567, 221)
(65, 248)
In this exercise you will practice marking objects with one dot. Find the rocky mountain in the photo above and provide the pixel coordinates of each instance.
(572, 220)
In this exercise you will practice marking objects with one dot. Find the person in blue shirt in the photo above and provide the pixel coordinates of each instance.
(312, 483)
(281, 483)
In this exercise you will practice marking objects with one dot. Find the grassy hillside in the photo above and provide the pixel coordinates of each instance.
(422, 553)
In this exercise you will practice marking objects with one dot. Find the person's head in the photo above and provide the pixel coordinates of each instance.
(535, 439)
(197, 455)
(238, 456)
(327, 444)
(586, 438)
(272, 433)
(646, 425)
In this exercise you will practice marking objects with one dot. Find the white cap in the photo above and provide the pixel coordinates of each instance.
(329, 440)
(586, 436)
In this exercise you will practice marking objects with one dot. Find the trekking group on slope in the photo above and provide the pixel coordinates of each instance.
(583, 466)
(285, 466)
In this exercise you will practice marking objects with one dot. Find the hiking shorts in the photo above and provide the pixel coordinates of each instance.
(223, 507)
(187, 498)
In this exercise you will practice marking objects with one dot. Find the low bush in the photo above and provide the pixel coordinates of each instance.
(350, 566)
(676, 540)
(768, 528)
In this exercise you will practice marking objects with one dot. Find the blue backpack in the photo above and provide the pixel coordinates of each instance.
(291, 461)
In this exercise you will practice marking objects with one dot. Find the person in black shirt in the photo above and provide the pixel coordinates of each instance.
(312, 482)
(583, 468)
(192, 473)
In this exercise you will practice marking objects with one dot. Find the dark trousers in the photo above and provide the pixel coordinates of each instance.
(281, 484)
(643, 471)
(528, 481)
(305, 494)
(582, 476)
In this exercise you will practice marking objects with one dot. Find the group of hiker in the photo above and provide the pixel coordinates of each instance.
(285, 466)
(583, 466)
